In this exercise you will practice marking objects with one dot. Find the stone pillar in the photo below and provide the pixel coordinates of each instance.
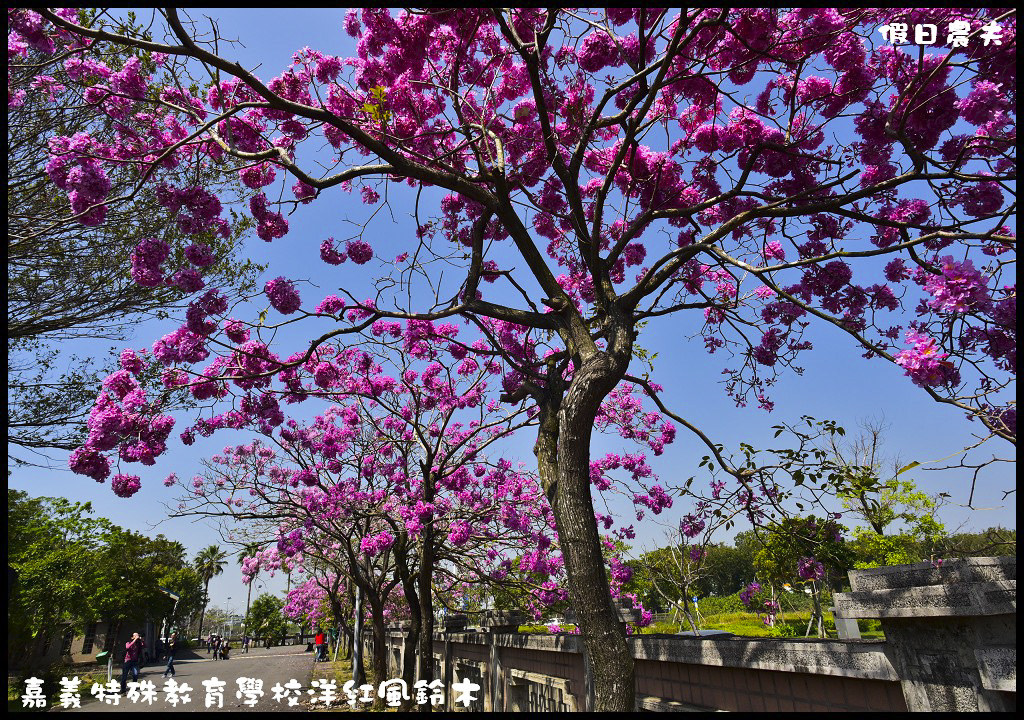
(951, 630)
(493, 623)
(846, 628)
(452, 624)
(401, 626)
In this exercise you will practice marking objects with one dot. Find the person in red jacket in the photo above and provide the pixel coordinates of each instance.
(318, 642)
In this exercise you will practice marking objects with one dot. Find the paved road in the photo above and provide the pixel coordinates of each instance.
(274, 666)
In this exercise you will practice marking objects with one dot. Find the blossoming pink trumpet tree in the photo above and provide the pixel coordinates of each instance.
(430, 427)
(394, 489)
(310, 531)
(754, 167)
(398, 477)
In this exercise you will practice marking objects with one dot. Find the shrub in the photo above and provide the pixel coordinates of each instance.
(785, 630)
(717, 605)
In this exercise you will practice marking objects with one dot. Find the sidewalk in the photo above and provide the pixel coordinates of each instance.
(244, 682)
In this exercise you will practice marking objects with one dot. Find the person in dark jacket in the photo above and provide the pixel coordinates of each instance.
(171, 647)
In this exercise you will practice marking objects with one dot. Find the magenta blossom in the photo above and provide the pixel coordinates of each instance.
(282, 295)
(924, 364)
(810, 569)
(125, 485)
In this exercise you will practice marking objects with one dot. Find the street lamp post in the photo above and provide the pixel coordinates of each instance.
(226, 614)
(166, 629)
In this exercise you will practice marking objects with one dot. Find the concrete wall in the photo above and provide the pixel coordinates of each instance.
(49, 650)
(521, 672)
(950, 646)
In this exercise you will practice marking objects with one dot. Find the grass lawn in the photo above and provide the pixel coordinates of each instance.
(749, 625)
(746, 624)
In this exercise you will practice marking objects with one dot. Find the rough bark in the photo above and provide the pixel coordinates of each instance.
(380, 662)
(425, 666)
(345, 634)
(563, 453)
(412, 637)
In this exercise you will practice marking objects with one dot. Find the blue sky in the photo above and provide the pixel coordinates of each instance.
(838, 384)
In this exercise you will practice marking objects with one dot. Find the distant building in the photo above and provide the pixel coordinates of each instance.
(66, 646)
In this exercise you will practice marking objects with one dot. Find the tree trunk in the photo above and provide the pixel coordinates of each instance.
(425, 656)
(563, 451)
(424, 586)
(358, 664)
(344, 631)
(380, 657)
(686, 611)
(412, 637)
(202, 614)
(248, 598)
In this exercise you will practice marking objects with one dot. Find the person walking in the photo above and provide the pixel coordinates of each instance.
(132, 656)
(245, 644)
(171, 647)
(318, 643)
(216, 647)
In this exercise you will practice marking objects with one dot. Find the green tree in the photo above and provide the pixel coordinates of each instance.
(73, 568)
(994, 541)
(793, 540)
(52, 546)
(729, 567)
(900, 521)
(265, 618)
(187, 584)
(669, 576)
(209, 563)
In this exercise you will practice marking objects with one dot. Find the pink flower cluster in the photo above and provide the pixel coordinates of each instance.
(359, 252)
(810, 569)
(959, 287)
(271, 225)
(376, 544)
(747, 594)
(125, 485)
(924, 364)
(197, 211)
(691, 525)
(282, 295)
(75, 168)
(329, 254)
(149, 255)
(121, 418)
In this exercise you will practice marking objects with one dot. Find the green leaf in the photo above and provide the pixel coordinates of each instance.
(911, 466)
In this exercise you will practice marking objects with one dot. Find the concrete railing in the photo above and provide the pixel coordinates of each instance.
(950, 645)
(951, 630)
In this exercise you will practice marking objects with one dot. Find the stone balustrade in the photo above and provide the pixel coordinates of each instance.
(950, 645)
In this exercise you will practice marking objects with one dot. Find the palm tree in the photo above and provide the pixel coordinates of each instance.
(247, 552)
(209, 563)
